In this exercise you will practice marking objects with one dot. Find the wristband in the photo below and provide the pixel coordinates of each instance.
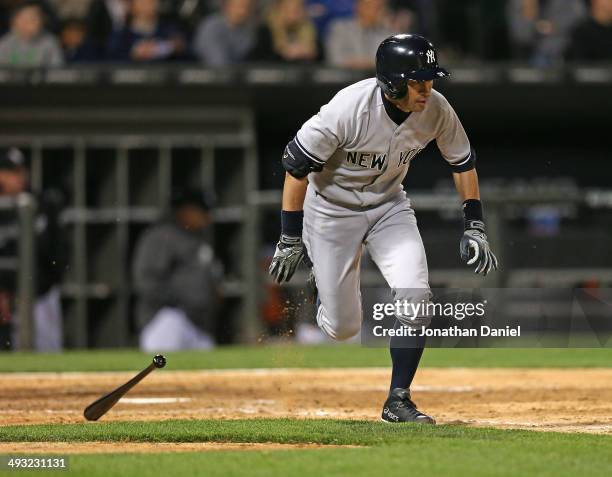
(291, 222)
(472, 214)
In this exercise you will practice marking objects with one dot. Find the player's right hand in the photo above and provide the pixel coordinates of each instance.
(288, 255)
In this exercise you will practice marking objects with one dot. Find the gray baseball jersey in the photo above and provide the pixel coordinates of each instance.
(365, 154)
(356, 199)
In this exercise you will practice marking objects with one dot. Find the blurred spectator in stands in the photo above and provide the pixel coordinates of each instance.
(188, 13)
(294, 36)
(540, 30)
(104, 17)
(227, 37)
(50, 255)
(75, 42)
(145, 37)
(415, 16)
(472, 29)
(324, 12)
(403, 16)
(27, 44)
(352, 43)
(177, 278)
(592, 39)
(66, 9)
(7, 7)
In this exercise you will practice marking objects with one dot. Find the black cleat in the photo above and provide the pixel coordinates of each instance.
(400, 408)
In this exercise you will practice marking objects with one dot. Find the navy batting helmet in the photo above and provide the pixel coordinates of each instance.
(406, 57)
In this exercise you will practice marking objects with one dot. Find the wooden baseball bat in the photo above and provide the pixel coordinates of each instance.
(100, 406)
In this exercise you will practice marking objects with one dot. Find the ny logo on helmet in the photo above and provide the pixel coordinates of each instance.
(431, 56)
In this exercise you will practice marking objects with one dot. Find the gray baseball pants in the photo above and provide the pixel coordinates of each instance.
(335, 235)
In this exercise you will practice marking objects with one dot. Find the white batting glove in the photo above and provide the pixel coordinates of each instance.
(474, 248)
(288, 255)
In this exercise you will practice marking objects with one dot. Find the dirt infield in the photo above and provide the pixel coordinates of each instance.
(576, 400)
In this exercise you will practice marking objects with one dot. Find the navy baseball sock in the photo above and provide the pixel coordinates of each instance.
(406, 354)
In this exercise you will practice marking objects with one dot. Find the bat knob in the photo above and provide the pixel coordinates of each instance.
(159, 361)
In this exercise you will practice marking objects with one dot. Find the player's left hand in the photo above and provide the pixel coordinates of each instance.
(475, 248)
(288, 255)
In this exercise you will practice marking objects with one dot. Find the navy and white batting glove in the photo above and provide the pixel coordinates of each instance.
(475, 248)
(288, 255)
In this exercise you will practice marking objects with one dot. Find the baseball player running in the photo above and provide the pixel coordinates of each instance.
(343, 191)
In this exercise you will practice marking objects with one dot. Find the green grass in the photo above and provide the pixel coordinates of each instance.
(391, 449)
(302, 357)
(286, 431)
